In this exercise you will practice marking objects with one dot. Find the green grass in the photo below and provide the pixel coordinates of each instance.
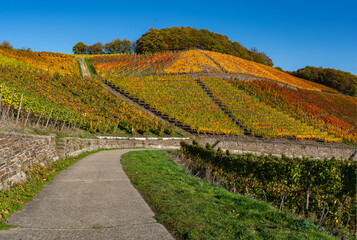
(79, 67)
(191, 208)
(90, 67)
(12, 198)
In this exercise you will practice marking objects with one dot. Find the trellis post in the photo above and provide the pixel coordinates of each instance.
(48, 119)
(38, 121)
(57, 118)
(64, 122)
(107, 126)
(8, 108)
(28, 114)
(19, 110)
(2, 92)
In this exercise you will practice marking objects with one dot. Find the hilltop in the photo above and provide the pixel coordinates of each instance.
(186, 38)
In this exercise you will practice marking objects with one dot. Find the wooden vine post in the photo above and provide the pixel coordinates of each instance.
(2, 92)
(107, 126)
(8, 108)
(19, 110)
(28, 114)
(64, 122)
(56, 118)
(48, 119)
(38, 121)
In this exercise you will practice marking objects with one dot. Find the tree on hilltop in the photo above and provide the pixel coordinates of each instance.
(6, 44)
(80, 48)
(118, 46)
(185, 38)
(96, 48)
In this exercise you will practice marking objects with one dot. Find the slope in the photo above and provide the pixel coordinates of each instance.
(93, 105)
(168, 93)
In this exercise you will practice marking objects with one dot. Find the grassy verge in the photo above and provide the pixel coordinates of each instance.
(90, 67)
(79, 67)
(191, 208)
(12, 198)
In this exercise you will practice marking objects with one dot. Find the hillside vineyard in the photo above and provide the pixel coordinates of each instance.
(209, 92)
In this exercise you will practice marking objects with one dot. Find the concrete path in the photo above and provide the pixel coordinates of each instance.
(92, 199)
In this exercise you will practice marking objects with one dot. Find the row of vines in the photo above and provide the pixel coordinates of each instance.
(193, 62)
(335, 114)
(323, 190)
(181, 98)
(260, 118)
(46, 61)
(87, 98)
(232, 64)
(27, 110)
(133, 64)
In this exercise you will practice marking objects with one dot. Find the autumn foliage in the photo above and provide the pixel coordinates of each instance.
(55, 79)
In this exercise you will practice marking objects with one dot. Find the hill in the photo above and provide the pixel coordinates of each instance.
(343, 82)
(203, 89)
(56, 90)
(186, 38)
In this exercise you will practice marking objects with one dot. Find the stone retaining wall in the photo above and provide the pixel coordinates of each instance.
(290, 148)
(19, 151)
(73, 146)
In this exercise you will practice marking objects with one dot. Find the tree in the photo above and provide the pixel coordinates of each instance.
(126, 46)
(279, 68)
(6, 44)
(113, 46)
(118, 46)
(344, 82)
(185, 38)
(267, 59)
(80, 48)
(96, 48)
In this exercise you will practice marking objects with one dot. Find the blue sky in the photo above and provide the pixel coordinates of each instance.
(293, 33)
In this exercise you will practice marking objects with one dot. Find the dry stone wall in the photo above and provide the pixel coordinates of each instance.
(19, 151)
(73, 146)
(290, 148)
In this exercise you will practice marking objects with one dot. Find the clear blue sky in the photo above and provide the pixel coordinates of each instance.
(293, 33)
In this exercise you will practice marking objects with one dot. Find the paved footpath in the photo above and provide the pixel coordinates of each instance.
(92, 199)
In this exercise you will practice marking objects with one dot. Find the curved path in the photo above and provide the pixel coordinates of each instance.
(92, 199)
